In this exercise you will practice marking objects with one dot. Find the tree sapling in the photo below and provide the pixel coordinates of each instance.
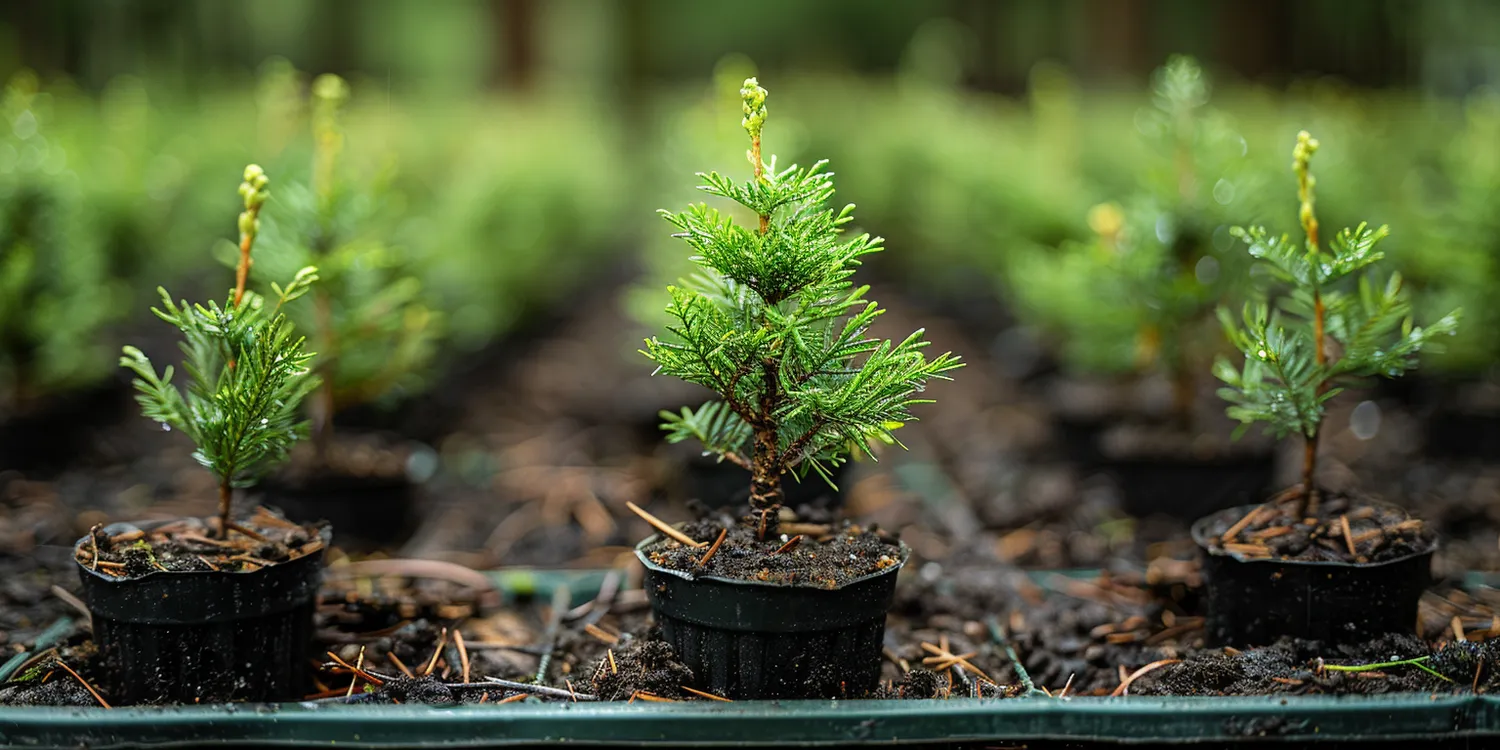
(248, 371)
(376, 337)
(774, 325)
(1319, 336)
(193, 610)
(1137, 297)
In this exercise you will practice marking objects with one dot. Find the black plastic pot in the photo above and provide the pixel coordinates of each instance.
(748, 640)
(369, 512)
(1187, 488)
(210, 637)
(1255, 602)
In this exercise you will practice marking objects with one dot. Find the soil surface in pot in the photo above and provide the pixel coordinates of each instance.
(195, 545)
(1343, 528)
(822, 555)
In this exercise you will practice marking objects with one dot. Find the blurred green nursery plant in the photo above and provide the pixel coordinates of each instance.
(55, 290)
(376, 335)
(247, 368)
(1138, 295)
(1333, 323)
(773, 323)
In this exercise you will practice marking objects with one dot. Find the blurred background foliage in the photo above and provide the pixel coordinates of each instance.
(520, 147)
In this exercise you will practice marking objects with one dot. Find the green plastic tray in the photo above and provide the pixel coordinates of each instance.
(793, 723)
(1133, 720)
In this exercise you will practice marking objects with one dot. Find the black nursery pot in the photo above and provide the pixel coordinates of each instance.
(1185, 487)
(205, 636)
(749, 640)
(1255, 602)
(370, 512)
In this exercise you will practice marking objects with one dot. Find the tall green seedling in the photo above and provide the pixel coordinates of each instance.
(247, 370)
(376, 335)
(1331, 323)
(773, 323)
(1138, 295)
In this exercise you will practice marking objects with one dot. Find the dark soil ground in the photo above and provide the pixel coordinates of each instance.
(544, 442)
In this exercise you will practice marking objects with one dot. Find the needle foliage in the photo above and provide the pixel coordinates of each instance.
(1330, 322)
(1139, 294)
(774, 324)
(247, 372)
(375, 334)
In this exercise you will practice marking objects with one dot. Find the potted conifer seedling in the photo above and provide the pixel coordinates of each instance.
(375, 337)
(215, 609)
(1132, 309)
(1311, 563)
(773, 324)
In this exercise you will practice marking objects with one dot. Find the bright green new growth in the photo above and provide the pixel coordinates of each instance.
(774, 325)
(1290, 372)
(248, 373)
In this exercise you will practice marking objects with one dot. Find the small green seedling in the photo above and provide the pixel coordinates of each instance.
(1319, 335)
(773, 324)
(248, 370)
(375, 335)
(1138, 295)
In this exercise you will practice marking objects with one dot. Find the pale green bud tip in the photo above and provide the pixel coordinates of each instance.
(1303, 151)
(330, 87)
(754, 98)
(254, 189)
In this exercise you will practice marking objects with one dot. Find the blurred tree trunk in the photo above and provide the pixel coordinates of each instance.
(515, 24)
(1116, 34)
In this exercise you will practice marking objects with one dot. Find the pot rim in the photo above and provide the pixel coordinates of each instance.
(325, 532)
(1200, 537)
(641, 555)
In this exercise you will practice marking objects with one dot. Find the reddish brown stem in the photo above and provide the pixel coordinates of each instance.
(242, 271)
(226, 502)
(1309, 501)
(760, 171)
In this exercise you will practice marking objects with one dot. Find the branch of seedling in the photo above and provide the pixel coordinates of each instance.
(1301, 159)
(254, 191)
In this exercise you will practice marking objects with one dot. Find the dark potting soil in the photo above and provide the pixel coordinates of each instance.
(1345, 528)
(646, 664)
(821, 555)
(194, 545)
(1395, 663)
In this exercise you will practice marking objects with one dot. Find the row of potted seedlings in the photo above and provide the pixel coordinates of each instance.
(766, 605)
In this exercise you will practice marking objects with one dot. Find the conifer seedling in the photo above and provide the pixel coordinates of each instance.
(1139, 295)
(773, 323)
(374, 334)
(247, 370)
(1334, 324)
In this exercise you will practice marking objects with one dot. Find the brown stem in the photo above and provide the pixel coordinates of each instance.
(765, 460)
(242, 271)
(226, 502)
(1310, 450)
(760, 172)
